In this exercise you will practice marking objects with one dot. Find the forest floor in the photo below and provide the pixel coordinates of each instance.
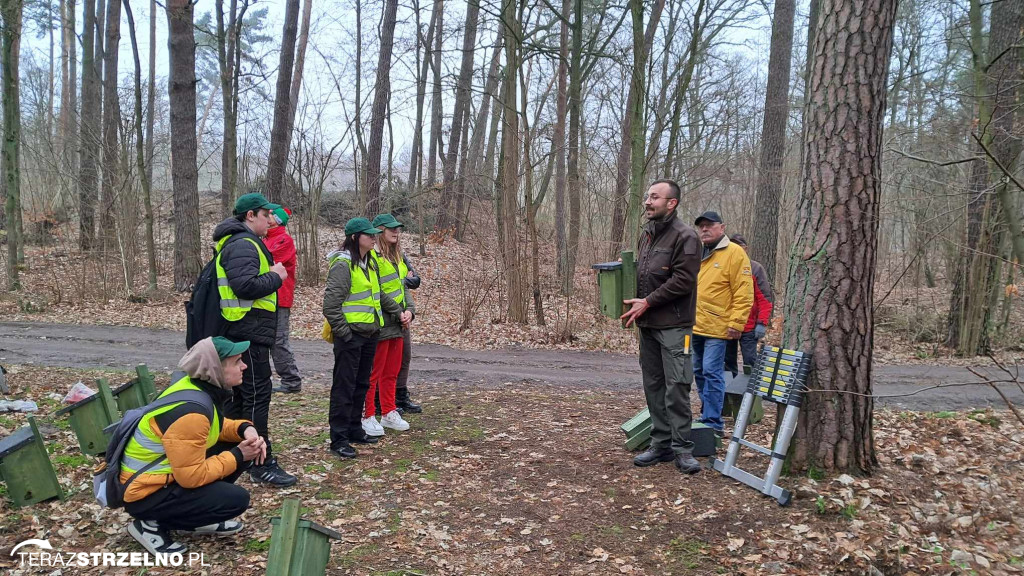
(533, 479)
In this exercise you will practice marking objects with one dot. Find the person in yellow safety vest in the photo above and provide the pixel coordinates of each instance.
(387, 362)
(198, 455)
(248, 280)
(354, 307)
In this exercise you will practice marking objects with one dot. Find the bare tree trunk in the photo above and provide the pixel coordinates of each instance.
(1006, 25)
(574, 183)
(111, 123)
(683, 85)
(300, 66)
(381, 94)
(422, 66)
(773, 139)
(184, 170)
(360, 151)
(445, 217)
(558, 149)
(10, 48)
(531, 208)
(278, 157)
(228, 61)
(68, 85)
(140, 158)
(832, 271)
(151, 104)
(509, 182)
(89, 128)
(435, 101)
(635, 101)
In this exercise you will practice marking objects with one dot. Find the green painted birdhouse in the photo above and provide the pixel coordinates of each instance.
(25, 467)
(298, 547)
(89, 416)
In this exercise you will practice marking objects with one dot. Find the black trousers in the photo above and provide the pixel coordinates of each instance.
(251, 399)
(747, 345)
(177, 508)
(402, 385)
(353, 361)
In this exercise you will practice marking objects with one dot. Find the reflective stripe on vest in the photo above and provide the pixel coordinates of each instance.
(232, 308)
(391, 279)
(145, 446)
(362, 305)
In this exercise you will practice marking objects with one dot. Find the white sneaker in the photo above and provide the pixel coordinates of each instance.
(394, 421)
(372, 428)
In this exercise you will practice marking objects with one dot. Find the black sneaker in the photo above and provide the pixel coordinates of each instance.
(344, 451)
(154, 539)
(271, 473)
(364, 439)
(225, 528)
(286, 390)
(408, 406)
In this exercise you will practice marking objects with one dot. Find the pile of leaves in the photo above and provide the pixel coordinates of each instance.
(530, 479)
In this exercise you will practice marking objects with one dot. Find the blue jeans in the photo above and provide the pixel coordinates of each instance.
(709, 375)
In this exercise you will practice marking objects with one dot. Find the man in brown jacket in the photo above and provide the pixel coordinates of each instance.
(668, 260)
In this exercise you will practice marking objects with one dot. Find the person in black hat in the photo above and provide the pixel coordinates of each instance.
(725, 293)
(248, 281)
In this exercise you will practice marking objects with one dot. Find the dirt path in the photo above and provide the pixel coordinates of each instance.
(88, 346)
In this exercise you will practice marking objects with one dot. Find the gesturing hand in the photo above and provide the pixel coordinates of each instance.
(639, 306)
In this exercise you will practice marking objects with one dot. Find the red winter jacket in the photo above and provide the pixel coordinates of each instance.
(282, 246)
(761, 311)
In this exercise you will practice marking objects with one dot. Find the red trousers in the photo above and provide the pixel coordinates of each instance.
(387, 363)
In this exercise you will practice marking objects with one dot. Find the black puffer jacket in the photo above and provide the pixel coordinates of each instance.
(241, 263)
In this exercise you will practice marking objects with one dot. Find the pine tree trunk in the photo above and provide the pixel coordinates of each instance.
(381, 94)
(111, 123)
(184, 170)
(773, 139)
(832, 271)
(277, 160)
(89, 128)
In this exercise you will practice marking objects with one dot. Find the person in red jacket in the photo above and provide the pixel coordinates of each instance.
(282, 246)
(760, 316)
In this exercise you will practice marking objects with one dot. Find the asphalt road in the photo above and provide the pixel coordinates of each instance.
(118, 347)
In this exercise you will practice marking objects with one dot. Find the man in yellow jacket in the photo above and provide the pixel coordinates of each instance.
(725, 293)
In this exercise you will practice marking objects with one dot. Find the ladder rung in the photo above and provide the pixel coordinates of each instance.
(752, 446)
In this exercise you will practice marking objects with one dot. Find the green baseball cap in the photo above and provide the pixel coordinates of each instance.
(253, 201)
(360, 225)
(226, 348)
(386, 221)
(282, 216)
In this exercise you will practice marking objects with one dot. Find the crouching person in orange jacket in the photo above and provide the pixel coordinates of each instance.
(189, 455)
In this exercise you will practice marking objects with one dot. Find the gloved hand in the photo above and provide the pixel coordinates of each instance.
(759, 331)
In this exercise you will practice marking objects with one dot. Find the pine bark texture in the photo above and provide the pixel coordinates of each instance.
(832, 270)
(765, 234)
(184, 170)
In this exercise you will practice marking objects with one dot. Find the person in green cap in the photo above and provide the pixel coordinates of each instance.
(410, 281)
(282, 246)
(354, 307)
(388, 361)
(198, 454)
(248, 280)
